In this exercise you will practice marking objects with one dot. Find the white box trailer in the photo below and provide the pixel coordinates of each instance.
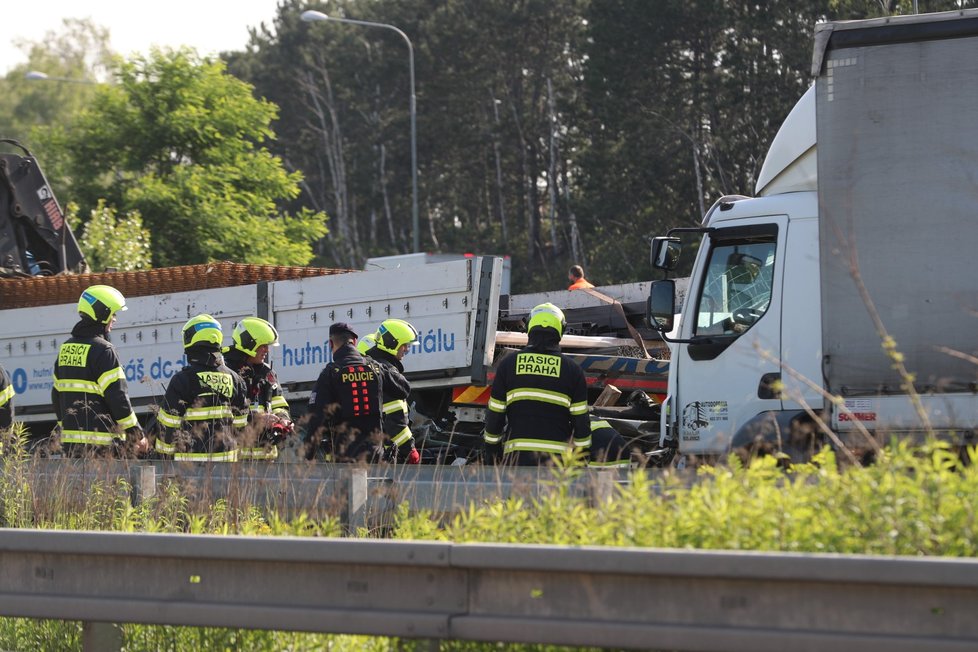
(454, 306)
(402, 261)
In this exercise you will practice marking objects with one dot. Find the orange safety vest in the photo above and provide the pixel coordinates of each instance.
(580, 284)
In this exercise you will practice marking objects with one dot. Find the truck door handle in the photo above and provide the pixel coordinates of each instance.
(765, 389)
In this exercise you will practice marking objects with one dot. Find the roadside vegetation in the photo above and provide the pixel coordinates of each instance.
(909, 502)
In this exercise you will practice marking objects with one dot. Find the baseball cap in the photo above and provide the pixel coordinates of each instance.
(341, 327)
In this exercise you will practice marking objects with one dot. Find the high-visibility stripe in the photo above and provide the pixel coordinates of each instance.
(256, 408)
(240, 421)
(472, 394)
(93, 437)
(279, 403)
(537, 445)
(490, 438)
(226, 456)
(401, 437)
(495, 405)
(6, 395)
(162, 446)
(110, 377)
(270, 453)
(209, 413)
(396, 406)
(612, 464)
(542, 395)
(597, 425)
(582, 442)
(168, 420)
(577, 409)
(129, 421)
(77, 385)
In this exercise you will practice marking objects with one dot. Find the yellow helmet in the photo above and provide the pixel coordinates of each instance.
(100, 302)
(202, 329)
(253, 332)
(547, 315)
(395, 333)
(368, 342)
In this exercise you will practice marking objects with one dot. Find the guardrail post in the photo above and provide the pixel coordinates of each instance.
(601, 488)
(357, 499)
(143, 481)
(101, 637)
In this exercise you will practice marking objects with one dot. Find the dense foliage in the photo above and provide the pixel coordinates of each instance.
(554, 131)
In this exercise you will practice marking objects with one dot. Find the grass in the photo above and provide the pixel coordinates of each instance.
(910, 502)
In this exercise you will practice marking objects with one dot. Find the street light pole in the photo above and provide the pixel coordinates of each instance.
(311, 16)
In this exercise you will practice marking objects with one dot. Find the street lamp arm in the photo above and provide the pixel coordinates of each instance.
(37, 75)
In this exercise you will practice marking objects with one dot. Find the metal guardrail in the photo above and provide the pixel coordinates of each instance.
(616, 598)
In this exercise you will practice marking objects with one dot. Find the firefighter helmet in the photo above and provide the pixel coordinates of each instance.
(547, 315)
(395, 333)
(101, 302)
(368, 342)
(253, 332)
(202, 329)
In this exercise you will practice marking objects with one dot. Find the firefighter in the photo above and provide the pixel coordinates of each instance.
(89, 394)
(538, 402)
(205, 408)
(6, 403)
(269, 422)
(576, 277)
(391, 343)
(6, 400)
(607, 448)
(346, 404)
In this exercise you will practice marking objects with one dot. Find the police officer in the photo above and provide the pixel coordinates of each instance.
(538, 401)
(346, 405)
(269, 421)
(205, 407)
(6, 402)
(391, 343)
(89, 395)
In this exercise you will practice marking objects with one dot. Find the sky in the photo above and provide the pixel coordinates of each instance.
(210, 26)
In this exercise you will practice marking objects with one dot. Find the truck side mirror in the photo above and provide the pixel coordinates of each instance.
(660, 309)
(665, 253)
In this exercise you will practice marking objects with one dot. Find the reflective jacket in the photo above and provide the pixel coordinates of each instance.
(608, 448)
(203, 411)
(538, 403)
(346, 407)
(264, 397)
(89, 394)
(397, 423)
(6, 402)
(580, 284)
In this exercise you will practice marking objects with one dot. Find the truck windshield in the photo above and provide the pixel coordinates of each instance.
(737, 288)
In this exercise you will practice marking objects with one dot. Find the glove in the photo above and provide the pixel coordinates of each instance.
(414, 457)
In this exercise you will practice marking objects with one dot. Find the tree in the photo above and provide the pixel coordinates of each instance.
(78, 51)
(109, 240)
(181, 142)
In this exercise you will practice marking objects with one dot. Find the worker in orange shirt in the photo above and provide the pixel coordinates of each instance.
(576, 276)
